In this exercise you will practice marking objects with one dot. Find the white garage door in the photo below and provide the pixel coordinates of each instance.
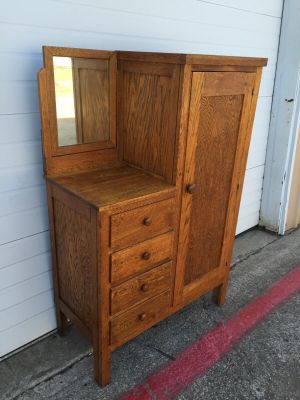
(229, 27)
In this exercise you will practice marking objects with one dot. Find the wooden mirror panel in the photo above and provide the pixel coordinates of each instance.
(81, 88)
(82, 100)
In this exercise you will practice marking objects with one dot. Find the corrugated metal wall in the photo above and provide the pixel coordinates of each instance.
(230, 27)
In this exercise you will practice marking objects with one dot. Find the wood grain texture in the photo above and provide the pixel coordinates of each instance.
(148, 90)
(106, 188)
(60, 317)
(250, 101)
(44, 116)
(142, 287)
(183, 121)
(215, 154)
(189, 121)
(91, 84)
(139, 318)
(75, 260)
(101, 333)
(202, 59)
(215, 146)
(92, 154)
(134, 243)
(131, 261)
(131, 227)
(79, 162)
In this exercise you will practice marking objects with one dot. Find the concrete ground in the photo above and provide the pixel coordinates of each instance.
(265, 364)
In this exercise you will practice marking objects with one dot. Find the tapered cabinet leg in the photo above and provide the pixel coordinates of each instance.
(102, 367)
(219, 293)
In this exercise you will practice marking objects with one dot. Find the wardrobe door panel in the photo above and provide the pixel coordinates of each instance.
(218, 118)
(215, 154)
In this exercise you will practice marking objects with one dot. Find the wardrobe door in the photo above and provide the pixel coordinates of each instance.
(217, 145)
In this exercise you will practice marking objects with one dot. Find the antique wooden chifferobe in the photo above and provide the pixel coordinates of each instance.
(144, 157)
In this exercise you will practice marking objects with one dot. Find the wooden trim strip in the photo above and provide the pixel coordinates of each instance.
(171, 58)
(50, 51)
(202, 285)
(223, 68)
(203, 59)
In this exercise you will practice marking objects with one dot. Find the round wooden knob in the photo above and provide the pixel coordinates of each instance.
(142, 317)
(144, 287)
(147, 221)
(146, 255)
(190, 187)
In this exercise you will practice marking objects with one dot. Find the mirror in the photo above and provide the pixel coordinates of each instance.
(82, 100)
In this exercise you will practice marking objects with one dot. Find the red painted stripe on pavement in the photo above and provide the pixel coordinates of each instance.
(174, 376)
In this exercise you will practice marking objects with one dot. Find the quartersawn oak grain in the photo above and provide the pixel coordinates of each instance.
(132, 261)
(142, 287)
(104, 188)
(132, 322)
(142, 222)
(91, 92)
(148, 142)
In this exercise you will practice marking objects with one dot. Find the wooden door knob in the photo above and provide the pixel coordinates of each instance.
(146, 255)
(142, 317)
(147, 221)
(144, 287)
(190, 187)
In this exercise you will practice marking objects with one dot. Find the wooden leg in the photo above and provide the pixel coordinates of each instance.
(62, 323)
(219, 293)
(102, 367)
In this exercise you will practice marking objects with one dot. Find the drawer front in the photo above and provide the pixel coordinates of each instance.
(141, 317)
(141, 288)
(142, 223)
(136, 259)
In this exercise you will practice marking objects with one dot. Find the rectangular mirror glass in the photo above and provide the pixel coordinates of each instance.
(82, 100)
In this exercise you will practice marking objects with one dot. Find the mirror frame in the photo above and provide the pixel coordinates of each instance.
(49, 52)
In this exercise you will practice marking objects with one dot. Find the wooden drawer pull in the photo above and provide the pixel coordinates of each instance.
(142, 317)
(146, 255)
(147, 221)
(190, 188)
(144, 287)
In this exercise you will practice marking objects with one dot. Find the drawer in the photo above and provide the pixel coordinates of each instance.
(132, 322)
(142, 223)
(138, 258)
(141, 288)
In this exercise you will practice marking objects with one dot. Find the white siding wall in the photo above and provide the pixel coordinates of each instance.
(230, 27)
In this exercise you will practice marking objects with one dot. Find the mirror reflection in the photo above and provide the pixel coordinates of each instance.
(82, 100)
(64, 98)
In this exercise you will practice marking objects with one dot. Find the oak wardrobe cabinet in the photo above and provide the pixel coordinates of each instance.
(144, 158)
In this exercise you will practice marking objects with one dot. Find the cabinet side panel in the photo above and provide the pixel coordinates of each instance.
(148, 115)
(75, 238)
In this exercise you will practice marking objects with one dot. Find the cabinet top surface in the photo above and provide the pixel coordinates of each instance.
(112, 186)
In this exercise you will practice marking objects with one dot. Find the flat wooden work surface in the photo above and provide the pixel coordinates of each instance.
(107, 187)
